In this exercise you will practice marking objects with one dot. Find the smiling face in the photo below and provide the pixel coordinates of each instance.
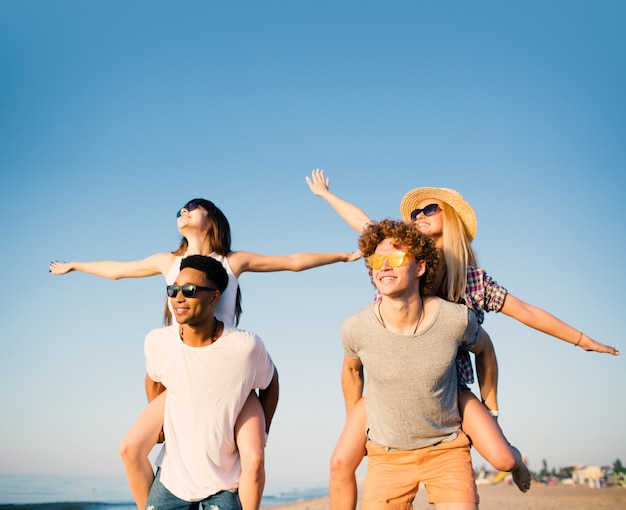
(196, 310)
(431, 225)
(397, 276)
(193, 217)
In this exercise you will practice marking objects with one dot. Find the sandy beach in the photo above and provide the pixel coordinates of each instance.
(507, 497)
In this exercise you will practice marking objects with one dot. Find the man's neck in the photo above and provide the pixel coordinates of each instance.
(201, 335)
(402, 315)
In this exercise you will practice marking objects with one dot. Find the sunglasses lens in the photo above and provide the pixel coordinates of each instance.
(375, 261)
(395, 259)
(188, 290)
(189, 206)
(431, 209)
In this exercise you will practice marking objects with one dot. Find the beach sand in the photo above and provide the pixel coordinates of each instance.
(507, 497)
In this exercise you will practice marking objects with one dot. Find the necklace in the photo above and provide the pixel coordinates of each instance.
(216, 323)
(419, 319)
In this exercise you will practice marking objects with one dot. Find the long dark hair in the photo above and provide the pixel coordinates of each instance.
(218, 237)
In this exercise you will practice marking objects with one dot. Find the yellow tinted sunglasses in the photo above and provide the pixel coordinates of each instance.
(395, 259)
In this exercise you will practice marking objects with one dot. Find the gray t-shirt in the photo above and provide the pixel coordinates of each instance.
(410, 380)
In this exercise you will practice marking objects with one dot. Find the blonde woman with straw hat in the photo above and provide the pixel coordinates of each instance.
(446, 216)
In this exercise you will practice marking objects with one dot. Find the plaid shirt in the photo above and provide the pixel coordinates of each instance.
(482, 294)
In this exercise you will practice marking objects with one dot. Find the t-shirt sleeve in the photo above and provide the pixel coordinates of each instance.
(347, 339)
(471, 331)
(264, 366)
(149, 348)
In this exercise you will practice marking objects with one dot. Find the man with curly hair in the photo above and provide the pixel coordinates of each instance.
(407, 342)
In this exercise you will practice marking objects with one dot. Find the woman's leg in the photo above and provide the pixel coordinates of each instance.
(488, 439)
(250, 437)
(137, 445)
(345, 460)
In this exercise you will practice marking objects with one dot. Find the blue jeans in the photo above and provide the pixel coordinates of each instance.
(162, 499)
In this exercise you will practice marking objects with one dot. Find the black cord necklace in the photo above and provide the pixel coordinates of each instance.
(216, 323)
(419, 319)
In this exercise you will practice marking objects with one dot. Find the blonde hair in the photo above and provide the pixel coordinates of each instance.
(457, 253)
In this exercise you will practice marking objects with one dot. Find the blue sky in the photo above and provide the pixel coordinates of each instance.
(114, 114)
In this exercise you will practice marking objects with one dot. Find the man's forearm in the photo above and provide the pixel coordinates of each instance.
(351, 383)
(269, 400)
(153, 388)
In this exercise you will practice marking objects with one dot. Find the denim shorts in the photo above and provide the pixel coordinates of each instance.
(162, 499)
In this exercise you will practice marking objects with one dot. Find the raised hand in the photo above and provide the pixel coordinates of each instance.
(318, 183)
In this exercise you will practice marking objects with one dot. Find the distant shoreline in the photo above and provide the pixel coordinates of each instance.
(35, 493)
(498, 497)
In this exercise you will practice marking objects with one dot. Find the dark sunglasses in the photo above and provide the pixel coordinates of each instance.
(189, 206)
(188, 290)
(429, 210)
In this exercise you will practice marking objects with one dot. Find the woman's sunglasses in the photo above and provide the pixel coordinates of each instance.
(189, 206)
(188, 291)
(395, 259)
(429, 210)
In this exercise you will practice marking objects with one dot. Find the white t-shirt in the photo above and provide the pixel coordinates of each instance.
(206, 390)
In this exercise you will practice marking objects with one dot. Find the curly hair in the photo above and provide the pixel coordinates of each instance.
(417, 244)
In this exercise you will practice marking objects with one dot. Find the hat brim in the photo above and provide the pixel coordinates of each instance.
(453, 198)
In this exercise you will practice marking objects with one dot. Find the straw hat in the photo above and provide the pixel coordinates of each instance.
(447, 196)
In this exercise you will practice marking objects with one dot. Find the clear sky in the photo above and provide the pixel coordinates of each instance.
(114, 114)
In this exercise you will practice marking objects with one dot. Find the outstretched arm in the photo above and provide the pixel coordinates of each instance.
(547, 323)
(487, 371)
(269, 400)
(351, 382)
(158, 263)
(242, 261)
(350, 213)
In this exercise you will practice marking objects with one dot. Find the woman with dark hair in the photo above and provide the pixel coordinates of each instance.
(206, 231)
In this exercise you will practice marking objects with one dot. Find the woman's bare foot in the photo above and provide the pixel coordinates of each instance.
(521, 476)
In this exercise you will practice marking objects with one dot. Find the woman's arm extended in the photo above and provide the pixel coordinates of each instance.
(350, 213)
(159, 263)
(547, 323)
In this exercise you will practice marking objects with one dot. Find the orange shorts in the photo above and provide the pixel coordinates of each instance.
(393, 476)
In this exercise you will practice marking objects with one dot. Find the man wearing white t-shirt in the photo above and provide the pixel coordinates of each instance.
(209, 370)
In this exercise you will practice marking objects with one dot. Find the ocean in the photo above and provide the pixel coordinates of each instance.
(95, 493)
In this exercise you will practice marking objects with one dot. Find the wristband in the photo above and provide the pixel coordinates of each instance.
(493, 413)
(579, 339)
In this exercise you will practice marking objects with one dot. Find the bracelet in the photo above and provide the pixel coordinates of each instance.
(493, 413)
(579, 339)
